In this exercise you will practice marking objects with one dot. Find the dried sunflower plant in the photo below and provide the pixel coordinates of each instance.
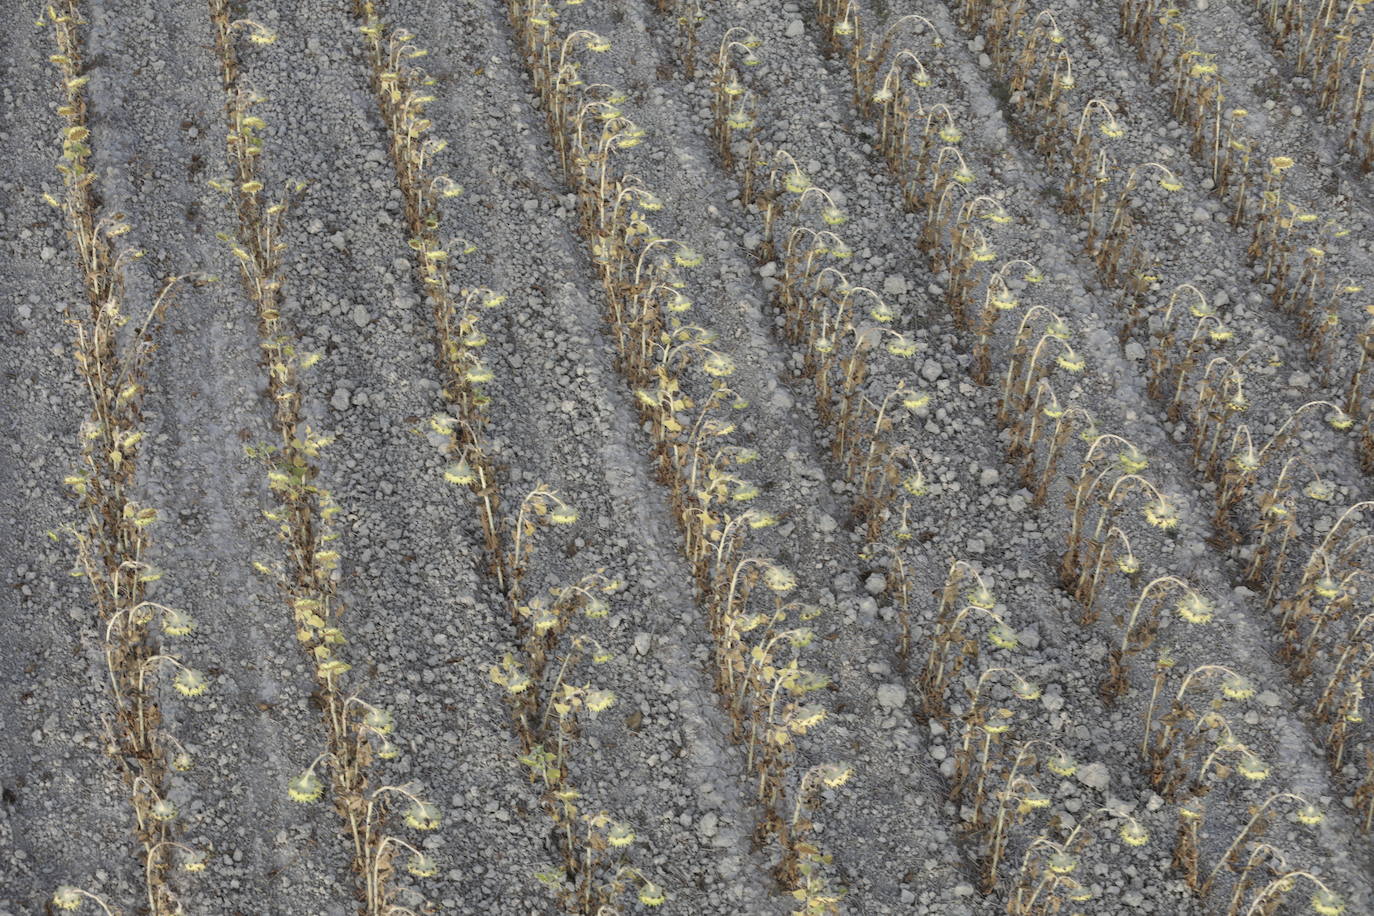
(403, 90)
(357, 733)
(542, 675)
(113, 538)
(682, 387)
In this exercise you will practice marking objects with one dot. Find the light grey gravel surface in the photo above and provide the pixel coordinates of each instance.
(425, 620)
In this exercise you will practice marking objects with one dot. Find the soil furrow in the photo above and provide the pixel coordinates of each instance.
(57, 780)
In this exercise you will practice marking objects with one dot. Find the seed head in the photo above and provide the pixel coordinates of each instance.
(163, 810)
(1235, 687)
(1310, 815)
(192, 860)
(1061, 764)
(1327, 903)
(1252, 768)
(177, 622)
(460, 473)
(1001, 722)
(563, 515)
(796, 182)
(915, 484)
(779, 579)
(67, 897)
(804, 718)
(835, 775)
(421, 815)
(982, 596)
(620, 834)
(306, 787)
(1327, 587)
(951, 134)
(1132, 460)
(1061, 863)
(739, 119)
(1339, 419)
(901, 345)
(1133, 834)
(1003, 637)
(422, 866)
(650, 894)
(718, 365)
(1319, 490)
(1161, 514)
(1195, 609)
(598, 700)
(190, 682)
(1070, 361)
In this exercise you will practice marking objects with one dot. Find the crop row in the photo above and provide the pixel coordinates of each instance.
(112, 537)
(550, 695)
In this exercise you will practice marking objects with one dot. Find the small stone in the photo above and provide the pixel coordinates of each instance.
(988, 477)
(931, 370)
(894, 285)
(825, 524)
(1095, 775)
(642, 643)
(360, 315)
(1134, 351)
(1268, 698)
(875, 584)
(963, 890)
(891, 696)
(795, 29)
(48, 253)
(708, 824)
(1052, 701)
(340, 400)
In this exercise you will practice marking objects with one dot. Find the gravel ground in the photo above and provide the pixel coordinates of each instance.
(425, 619)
